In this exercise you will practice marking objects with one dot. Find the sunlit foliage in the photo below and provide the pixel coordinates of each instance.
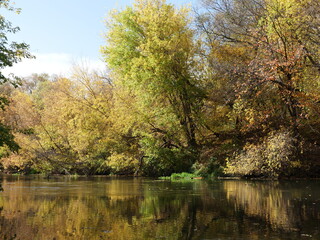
(151, 51)
(10, 53)
(234, 85)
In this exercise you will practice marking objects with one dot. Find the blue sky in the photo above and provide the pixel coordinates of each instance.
(63, 32)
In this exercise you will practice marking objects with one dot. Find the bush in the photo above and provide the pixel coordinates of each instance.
(210, 168)
(271, 158)
(122, 163)
(184, 176)
(164, 162)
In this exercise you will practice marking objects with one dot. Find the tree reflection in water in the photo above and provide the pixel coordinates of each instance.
(104, 208)
(286, 206)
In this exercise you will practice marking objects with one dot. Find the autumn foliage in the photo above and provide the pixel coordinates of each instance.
(233, 85)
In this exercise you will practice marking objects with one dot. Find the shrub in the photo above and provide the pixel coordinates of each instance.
(122, 163)
(184, 176)
(210, 168)
(271, 158)
(164, 162)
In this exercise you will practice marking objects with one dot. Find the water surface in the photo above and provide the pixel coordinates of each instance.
(110, 208)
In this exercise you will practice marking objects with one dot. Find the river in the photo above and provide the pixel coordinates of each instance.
(92, 208)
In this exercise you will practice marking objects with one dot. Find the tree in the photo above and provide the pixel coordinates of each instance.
(150, 50)
(13, 52)
(269, 51)
(62, 125)
(275, 38)
(10, 53)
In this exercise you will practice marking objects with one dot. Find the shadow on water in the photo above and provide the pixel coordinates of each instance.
(105, 208)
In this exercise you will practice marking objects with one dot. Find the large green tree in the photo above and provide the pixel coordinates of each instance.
(150, 50)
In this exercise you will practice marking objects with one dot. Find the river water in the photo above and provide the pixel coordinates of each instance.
(62, 208)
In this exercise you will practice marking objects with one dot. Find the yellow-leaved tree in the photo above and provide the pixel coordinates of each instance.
(151, 52)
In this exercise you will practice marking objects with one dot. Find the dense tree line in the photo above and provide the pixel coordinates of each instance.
(230, 88)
